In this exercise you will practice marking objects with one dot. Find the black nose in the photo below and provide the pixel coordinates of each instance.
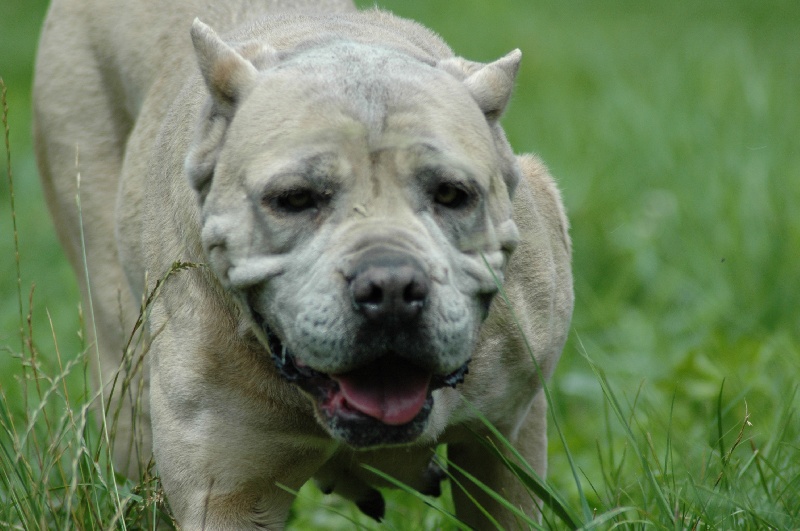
(389, 285)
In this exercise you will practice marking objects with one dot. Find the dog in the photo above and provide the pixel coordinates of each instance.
(321, 206)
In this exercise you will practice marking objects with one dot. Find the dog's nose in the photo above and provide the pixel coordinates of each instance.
(389, 285)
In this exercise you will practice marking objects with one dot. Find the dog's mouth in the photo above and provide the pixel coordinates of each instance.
(384, 402)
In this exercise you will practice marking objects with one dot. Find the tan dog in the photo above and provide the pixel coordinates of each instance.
(344, 180)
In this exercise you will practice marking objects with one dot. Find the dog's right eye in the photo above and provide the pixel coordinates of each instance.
(296, 201)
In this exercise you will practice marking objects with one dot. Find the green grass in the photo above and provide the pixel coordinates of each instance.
(672, 130)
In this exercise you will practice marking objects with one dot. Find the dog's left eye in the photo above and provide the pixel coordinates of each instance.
(450, 196)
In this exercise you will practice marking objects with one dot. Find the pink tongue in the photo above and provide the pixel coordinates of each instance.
(390, 390)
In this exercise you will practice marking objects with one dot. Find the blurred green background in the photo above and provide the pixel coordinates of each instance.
(673, 130)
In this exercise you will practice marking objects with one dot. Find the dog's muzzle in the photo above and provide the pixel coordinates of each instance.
(387, 398)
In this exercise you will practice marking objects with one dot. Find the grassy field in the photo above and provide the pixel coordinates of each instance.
(673, 132)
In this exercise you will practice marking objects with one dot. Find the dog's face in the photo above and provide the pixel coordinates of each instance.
(356, 201)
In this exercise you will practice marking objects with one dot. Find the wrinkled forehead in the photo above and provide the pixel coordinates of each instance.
(358, 70)
(376, 95)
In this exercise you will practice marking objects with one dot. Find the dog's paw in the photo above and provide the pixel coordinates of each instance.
(372, 505)
(432, 479)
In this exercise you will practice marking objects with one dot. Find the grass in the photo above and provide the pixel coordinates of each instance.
(672, 130)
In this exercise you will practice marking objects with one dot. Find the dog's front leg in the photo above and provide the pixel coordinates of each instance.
(227, 445)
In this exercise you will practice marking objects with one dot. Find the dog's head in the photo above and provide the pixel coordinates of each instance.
(356, 201)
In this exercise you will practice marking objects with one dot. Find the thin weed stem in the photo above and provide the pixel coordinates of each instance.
(12, 200)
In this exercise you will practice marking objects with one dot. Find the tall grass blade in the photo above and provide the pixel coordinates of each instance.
(92, 323)
(516, 511)
(587, 512)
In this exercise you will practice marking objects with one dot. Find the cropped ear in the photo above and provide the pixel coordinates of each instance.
(229, 72)
(490, 84)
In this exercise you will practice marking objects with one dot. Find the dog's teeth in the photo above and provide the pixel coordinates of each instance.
(456, 377)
